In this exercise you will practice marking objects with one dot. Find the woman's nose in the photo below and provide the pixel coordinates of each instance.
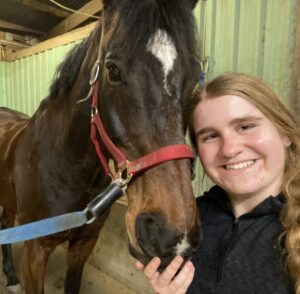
(230, 146)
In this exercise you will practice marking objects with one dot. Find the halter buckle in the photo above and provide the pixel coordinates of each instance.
(123, 174)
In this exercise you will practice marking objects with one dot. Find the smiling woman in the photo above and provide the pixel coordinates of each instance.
(237, 151)
(249, 145)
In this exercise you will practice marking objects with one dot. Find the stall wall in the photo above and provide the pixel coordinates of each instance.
(28, 79)
(255, 37)
(3, 84)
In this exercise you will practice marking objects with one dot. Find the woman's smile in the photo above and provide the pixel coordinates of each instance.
(239, 166)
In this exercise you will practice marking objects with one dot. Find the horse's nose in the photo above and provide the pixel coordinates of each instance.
(156, 238)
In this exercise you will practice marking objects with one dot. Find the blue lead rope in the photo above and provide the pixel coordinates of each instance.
(66, 221)
(43, 227)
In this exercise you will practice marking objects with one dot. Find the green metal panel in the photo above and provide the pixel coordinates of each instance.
(255, 37)
(3, 83)
(28, 79)
(250, 36)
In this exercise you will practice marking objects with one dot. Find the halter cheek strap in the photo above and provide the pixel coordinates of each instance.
(172, 152)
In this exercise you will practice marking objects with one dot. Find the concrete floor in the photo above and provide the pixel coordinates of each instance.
(93, 280)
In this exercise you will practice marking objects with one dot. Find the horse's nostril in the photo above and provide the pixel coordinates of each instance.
(157, 238)
(154, 237)
(148, 229)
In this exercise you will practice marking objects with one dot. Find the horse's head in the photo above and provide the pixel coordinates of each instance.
(148, 72)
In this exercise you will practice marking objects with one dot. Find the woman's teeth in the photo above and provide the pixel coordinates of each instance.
(239, 165)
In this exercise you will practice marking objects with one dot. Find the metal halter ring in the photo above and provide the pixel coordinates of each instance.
(94, 111)
(124, 175)
(95, 72)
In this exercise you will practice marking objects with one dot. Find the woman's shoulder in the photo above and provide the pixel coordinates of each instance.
(214, 197)
(215, 193)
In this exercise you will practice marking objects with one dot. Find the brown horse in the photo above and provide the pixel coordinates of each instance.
(48, 164)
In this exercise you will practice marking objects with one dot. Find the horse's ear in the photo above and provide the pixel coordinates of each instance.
(193, 3)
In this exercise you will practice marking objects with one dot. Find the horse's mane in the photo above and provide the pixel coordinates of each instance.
(138, 20)
(66, 73)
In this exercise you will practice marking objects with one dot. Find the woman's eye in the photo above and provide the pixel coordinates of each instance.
(245, 127)
(209, 137)
(114, 73)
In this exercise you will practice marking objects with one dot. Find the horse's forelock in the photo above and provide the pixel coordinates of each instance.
(139, 21)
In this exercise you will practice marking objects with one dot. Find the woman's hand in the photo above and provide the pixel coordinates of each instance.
(165, 282)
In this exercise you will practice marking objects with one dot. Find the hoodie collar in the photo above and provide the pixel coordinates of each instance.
(272, 204)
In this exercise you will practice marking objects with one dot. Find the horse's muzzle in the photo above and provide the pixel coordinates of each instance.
(156, 238)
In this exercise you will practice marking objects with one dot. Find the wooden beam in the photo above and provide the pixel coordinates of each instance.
(37, 5)
(11, 26)
(73, 36)
(75, 19)
(13, 44)
(13, 37)
(2, 53)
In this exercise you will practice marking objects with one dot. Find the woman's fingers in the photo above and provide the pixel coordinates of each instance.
(151, 268)
(168, 274)
(166, 282)
(183, 280)
(170, 271)
(139, 265)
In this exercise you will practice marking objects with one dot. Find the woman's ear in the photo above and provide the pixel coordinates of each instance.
(287, 141)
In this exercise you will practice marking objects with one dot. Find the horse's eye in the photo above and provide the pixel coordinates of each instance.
(114, 73)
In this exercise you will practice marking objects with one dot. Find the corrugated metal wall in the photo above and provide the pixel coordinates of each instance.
(3, 84)
(252, 36)
(28, 79)
(255, 37)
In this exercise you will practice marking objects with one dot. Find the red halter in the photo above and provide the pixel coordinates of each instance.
(151, 159)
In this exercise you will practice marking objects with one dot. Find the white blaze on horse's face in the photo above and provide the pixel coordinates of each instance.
(162, 47)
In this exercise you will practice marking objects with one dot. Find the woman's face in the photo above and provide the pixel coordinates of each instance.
(241, 150)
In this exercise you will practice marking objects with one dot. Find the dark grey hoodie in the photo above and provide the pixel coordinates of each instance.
(239, 256)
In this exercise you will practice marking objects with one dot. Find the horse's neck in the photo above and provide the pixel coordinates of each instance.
(65, 141)
(66, 120)
(67, 123)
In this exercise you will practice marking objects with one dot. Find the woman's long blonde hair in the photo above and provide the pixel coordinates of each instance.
(263, 97)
